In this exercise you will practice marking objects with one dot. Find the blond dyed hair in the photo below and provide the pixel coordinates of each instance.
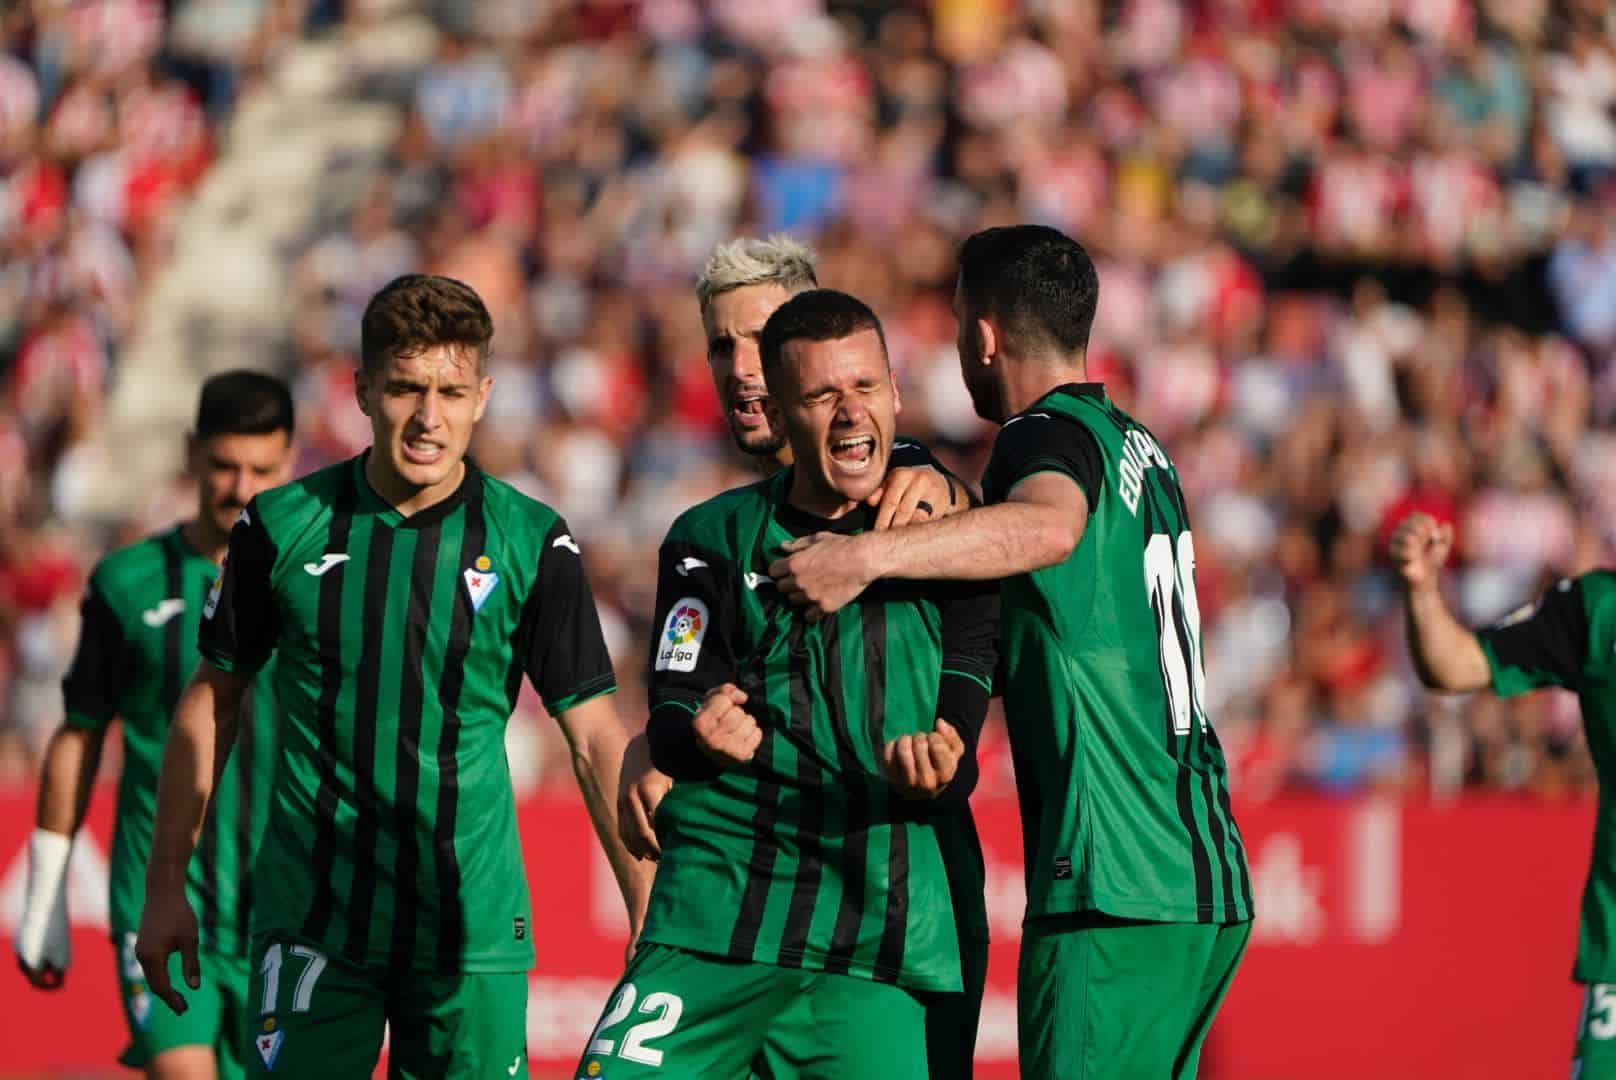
(779, 260)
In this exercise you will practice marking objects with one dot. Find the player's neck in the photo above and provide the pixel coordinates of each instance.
(203, 538)
(1027, 381)
(407, 498)
(811, 498)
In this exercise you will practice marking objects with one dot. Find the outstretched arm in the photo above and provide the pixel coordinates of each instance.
(1037, 526)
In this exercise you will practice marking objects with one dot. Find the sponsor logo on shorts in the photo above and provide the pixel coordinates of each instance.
(519, 927)
(1063, 868)
(139, 1006)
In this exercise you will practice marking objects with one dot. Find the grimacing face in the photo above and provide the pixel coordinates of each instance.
(733, 323)
(839, 405)
(230, 469)
(423, 408)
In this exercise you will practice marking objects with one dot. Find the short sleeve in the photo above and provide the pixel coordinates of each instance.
(692, 651)
(95, 685)
(562, 648)
(1543, 644)
(240, 621)
(1042, 442)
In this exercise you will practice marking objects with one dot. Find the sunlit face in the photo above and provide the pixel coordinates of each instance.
(839, 405)
(987, 395)
(733, 322)
(231, 469)
(423, 409)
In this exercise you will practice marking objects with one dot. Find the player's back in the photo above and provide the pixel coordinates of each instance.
(400, 643)
(137, 651)
(1123, 785)
(804, 856)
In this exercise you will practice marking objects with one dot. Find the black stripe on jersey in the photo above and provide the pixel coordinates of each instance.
(411, 696)
(328, 633)
(760, 864)
(451, 910)
(1234, 831)
(367, 692)
(810, 822)
(246, 739)
(890, 956)
(856, 844)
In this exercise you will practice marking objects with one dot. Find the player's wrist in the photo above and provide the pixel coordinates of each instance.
(48, 856)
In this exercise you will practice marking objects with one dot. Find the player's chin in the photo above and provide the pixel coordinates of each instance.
(757, 443)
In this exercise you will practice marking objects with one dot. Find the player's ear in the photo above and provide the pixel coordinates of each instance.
(988, 334)
(361, 386)
(193, 453)
(897, 398)
(483, 387)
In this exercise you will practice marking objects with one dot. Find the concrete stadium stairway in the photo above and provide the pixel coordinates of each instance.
(298, 153)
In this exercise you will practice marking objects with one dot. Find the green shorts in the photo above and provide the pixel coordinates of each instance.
(1594, 1057)
(679, 1015)
(1120, 999)
(952, 1019)
(214, 1018)
(313, 1016)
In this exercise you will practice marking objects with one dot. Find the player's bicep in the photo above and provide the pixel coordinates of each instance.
(95, 683)
(1541, 645)
(563, 648)
(240, 621)
(691, 651)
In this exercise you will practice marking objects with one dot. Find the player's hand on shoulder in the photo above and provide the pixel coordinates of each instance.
(168, 925)
(922, 765)
(728, 733)
(913, 495)
(1419, 547)
(640, 791)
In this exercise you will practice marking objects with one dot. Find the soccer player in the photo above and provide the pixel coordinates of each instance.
(801, 911)
(404, 594)
(1568, 639)
(1138, 895)
(743, 282)
(136, 649)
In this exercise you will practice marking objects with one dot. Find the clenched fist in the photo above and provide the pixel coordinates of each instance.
(727, 732)
(920, 766)
(1419, 548)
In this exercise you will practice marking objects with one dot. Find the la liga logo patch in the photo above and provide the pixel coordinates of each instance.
(480, 581)
(682, 634)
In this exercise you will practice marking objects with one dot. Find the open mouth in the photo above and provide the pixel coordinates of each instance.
(853, 453)
(748, 409)
(422, 451)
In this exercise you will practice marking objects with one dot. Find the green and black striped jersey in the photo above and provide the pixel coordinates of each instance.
(1123, 786)
(805, 856)
(136, 651)
(1568, 639)
(400, 646)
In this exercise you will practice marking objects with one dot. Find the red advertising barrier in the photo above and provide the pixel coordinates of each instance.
(1393, 940)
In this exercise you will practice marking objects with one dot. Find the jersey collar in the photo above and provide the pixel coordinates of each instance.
(800, 522)
(374, 503)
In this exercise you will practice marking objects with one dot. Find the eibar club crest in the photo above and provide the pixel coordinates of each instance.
(269, 1042)
(480, 581)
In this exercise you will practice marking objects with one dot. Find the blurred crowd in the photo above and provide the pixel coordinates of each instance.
(1357, 257)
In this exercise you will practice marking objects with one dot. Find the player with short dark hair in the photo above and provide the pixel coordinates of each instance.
(1138, 893)
(802, 915)
(137, 647)
(1566, 638)
(740, 287)
(403, 594)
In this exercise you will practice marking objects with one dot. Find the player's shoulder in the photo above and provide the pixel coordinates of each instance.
(515, 512)
(715, 523)
(311, 496)
(1597, 589)
(127, 569)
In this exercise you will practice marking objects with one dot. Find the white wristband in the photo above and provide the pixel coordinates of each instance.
(43, 931)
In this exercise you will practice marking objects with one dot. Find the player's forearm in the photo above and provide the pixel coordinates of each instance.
(67, 779)
(977, 545)
(1446, 654)
(597, 761)
(198, 745)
